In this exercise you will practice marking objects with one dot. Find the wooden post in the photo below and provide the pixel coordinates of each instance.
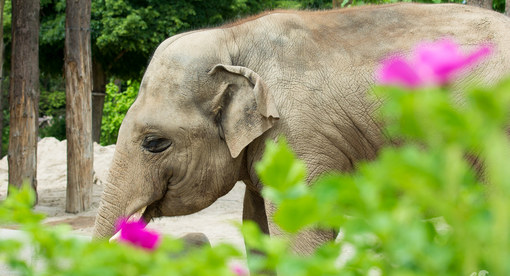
(78, 106)
(2, 3)
(24, 93)
(98, 95)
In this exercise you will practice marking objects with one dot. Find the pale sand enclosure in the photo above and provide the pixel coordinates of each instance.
(216, 221)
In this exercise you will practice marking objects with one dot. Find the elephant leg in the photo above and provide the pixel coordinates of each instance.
(305, 242)
(253, 209)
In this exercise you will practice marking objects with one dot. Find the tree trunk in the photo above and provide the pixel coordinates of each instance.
(507, 7)
(78, 106)
(24, 93)
(98, 95)
(2, 2)
(487, 4)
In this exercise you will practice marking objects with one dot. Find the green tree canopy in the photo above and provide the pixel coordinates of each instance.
(126, 32)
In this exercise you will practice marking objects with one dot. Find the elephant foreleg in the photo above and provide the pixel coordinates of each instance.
(305, 242)
(253, 208)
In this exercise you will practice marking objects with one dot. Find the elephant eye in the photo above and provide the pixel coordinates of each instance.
(155, 145)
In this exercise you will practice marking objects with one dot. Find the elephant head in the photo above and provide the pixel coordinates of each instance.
(182, 143)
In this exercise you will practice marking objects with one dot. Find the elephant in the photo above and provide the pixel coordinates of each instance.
(209, 100)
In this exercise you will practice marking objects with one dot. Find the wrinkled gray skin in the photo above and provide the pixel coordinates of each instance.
(211, 98)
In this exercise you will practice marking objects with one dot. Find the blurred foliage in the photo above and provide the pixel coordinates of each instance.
(52, 103)
(418, 209)
(115, 109)
(56, 128)
(54, 251)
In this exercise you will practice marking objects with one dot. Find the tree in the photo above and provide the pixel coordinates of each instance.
(98, 97)
(24, 93)
(78, 106)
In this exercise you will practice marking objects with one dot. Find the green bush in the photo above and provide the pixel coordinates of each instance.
(57, 253)
(419, 209)
(53, 105)
(56, 128)
(115, 107)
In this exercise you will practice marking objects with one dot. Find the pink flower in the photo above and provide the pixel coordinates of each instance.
(431, 63)
(135, 233)
(238, 269)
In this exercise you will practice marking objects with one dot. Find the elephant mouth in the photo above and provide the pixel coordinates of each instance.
(136, 216)
(145, 213)
(152, 211)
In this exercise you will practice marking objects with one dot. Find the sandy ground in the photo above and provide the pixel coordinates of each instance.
(216, 221)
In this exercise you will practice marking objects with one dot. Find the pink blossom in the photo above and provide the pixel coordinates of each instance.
(431, 63)
(134, 232)
(238, 269)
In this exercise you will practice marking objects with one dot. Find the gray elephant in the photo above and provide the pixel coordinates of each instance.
(211, 98)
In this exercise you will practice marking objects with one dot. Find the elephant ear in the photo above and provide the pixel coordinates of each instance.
(244, 107)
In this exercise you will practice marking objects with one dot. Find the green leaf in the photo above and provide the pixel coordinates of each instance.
(295, 214)
(281, 172)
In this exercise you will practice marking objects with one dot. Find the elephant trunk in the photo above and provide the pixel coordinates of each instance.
(108, 213)
(117, 200)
